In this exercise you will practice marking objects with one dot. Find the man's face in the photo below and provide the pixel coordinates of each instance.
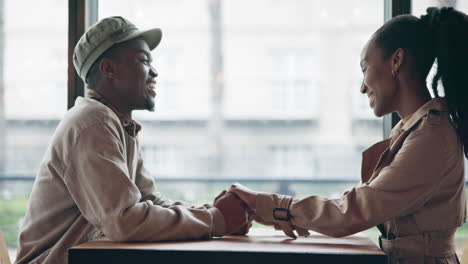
(378, 82)
(136, 77)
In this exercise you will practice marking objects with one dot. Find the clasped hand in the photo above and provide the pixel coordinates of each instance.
(236, 214)
(238, 206)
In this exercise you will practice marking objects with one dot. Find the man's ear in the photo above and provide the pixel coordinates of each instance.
(397, 60)
(108, 68)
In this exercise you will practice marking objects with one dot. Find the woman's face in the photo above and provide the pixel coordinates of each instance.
(378, 83)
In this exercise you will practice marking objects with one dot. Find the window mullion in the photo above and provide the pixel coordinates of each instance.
(393, 8)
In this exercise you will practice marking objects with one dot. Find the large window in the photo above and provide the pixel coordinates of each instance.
(262, 92)
(267, 93)
(274, 88)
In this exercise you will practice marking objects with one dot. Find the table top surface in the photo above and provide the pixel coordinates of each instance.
(259, 240)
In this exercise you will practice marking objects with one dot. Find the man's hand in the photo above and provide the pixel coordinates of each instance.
(250, 199)
(234, 212)
(245, 194)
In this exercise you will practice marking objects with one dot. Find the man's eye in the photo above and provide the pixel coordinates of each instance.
(145, 61)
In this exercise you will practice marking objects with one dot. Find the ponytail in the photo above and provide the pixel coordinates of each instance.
(448, 31)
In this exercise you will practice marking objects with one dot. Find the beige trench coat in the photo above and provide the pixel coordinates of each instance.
(412, 188)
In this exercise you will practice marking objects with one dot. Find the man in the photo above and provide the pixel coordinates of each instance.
(92, 181)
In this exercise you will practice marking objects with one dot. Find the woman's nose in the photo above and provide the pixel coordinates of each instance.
(363, 88)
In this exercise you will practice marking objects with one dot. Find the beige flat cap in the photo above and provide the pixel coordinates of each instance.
(103, 35)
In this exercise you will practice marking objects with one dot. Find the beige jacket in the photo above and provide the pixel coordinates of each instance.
(412, 187)
(92, 182)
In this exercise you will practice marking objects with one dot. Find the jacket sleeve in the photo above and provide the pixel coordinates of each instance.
(400, 188)
(98, 180)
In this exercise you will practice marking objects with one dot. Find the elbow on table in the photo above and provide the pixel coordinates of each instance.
(118, 230)
(118, 234)
(119, 237)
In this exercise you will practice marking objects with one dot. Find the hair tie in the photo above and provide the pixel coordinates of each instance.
(431, 20)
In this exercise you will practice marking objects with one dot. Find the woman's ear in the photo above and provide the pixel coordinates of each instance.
(397, 60)
(108, 68)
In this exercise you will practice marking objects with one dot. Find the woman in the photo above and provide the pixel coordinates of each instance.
(412, 184)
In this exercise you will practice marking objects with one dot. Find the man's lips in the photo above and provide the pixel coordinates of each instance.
(151, 85)
(151, 88)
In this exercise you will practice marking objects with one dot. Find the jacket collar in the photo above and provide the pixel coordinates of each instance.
(438, 104)
(131, 126)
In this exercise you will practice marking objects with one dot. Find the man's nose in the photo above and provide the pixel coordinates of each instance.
(153, 72)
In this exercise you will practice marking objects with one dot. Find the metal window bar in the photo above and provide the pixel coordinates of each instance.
(393, 8)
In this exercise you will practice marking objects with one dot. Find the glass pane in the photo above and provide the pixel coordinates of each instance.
(33, 91)
(262, 92)
(419, 8)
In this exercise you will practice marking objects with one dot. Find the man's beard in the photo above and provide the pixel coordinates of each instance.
(149, 104)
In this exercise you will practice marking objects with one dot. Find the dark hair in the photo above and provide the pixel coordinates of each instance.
(441, 34)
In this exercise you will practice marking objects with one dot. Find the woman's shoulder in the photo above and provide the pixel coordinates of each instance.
(432, 120)
(436, 124)
(436, 133)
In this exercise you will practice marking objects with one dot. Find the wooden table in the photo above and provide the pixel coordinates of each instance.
(258, 247)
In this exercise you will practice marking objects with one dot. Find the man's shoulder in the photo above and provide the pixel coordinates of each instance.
(87, 113)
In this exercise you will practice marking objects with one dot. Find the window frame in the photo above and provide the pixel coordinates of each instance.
(393, 8)
(81, 15)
